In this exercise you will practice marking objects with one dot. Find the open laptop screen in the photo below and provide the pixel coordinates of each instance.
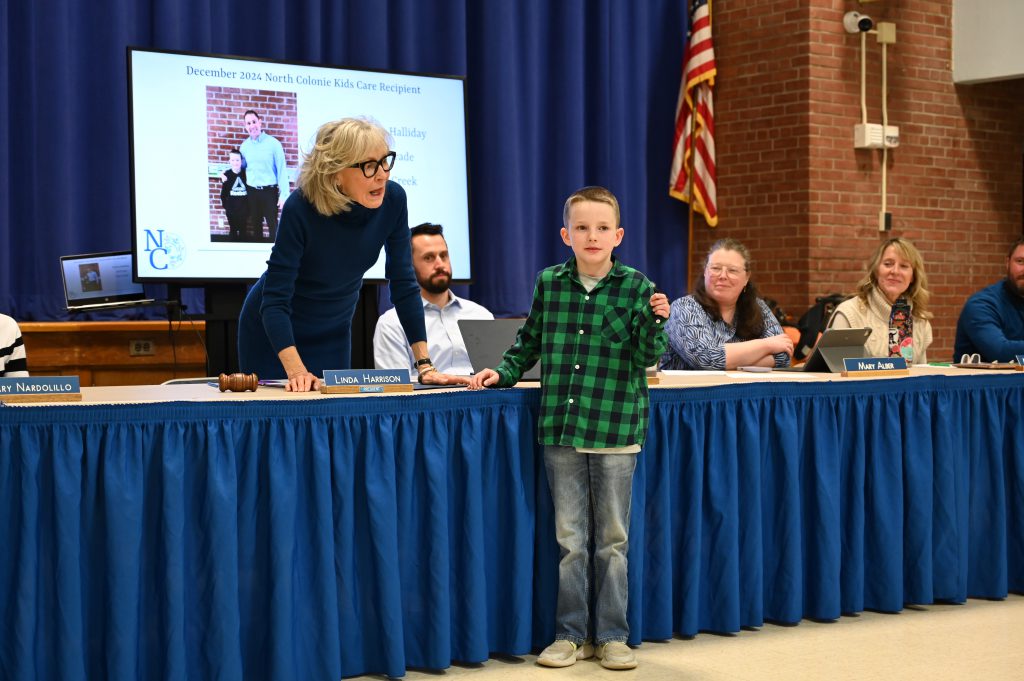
(832, 348)
(99, 280)
(487, 340)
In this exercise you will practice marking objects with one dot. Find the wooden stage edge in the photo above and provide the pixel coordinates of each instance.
(116, 353)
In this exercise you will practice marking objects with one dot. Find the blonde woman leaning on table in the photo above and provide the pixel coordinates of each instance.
(896, 271)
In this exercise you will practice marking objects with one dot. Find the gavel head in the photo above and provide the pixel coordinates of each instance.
(238, 382)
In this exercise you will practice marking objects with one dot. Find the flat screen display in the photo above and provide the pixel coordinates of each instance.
(193, 217)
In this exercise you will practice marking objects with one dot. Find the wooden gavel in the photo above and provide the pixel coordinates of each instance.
(238, 382)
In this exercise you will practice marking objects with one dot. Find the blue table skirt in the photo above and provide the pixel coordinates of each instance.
(316, 539)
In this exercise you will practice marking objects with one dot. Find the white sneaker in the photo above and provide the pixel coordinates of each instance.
(616, 655)
(564, 653)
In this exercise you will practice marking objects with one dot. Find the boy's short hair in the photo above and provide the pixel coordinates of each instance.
(591, 193)
(428, 229)
(236, 150)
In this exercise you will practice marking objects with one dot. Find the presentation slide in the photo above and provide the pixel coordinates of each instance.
(99, 276)
(193, 217)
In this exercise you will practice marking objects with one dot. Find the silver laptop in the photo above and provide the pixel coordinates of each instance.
(487, 340)
(100, 281)
(832, 348)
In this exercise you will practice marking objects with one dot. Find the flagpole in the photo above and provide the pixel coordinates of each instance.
(689, 181)
(699, 56)
(693, 153)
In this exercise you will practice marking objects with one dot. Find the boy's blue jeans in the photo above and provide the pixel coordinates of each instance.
(591, 495)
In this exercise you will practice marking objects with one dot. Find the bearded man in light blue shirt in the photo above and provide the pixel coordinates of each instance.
(442, 311)
(266, 175)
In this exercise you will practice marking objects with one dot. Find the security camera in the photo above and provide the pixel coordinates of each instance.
(855, 22)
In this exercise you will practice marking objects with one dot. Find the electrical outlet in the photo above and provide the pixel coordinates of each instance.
(141, 348)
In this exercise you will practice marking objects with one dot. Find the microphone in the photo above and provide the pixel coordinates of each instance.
(657, 289)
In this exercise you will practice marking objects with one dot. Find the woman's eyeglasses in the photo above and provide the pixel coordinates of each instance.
(370, 168)
(719, 270)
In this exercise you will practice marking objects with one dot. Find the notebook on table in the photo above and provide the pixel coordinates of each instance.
(100, 281)
(832, 348)
(487, 340)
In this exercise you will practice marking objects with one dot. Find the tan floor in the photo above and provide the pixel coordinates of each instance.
(978, 641)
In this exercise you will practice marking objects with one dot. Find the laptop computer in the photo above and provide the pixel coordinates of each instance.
(100, 281)
(487, 340)
(832, 348)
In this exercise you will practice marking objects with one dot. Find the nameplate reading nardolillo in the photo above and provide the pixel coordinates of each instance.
(41, 389)
(366, 381)
(875, 366)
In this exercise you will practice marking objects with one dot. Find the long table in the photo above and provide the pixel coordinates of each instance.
(275, 536)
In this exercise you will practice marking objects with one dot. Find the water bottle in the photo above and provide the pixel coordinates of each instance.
(901, 330)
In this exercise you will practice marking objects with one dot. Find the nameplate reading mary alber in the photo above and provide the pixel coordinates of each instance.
(366, 381)
(41, 389)
(875, 366)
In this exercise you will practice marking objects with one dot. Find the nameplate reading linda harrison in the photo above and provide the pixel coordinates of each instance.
(875, 366)
(366, 381)
(41, 389)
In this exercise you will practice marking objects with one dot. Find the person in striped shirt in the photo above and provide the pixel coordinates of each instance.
(597, 324)
(12, 349)
(723, 324)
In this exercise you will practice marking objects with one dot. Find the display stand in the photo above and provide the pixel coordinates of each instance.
(224, 302)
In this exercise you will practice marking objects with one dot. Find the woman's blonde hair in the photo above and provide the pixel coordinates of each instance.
(338, 145)
(917, 293)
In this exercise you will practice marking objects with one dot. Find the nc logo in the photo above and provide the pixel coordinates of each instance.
(166, 250)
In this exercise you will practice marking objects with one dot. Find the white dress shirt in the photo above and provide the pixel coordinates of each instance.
(444, 340)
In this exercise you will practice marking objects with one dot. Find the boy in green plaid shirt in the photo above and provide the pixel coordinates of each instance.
(596, 324)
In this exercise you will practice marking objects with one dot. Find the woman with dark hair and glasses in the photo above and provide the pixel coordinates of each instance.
(297, 319)
(723, 324)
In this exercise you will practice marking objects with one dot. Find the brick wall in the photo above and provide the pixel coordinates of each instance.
(225, 107)
(793, 188)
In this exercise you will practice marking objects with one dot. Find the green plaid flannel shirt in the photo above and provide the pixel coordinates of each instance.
(595, 348)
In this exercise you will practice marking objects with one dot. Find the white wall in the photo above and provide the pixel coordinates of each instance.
(988, 40)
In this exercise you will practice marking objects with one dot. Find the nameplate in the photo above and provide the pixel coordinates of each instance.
(41, 389)
(875, 366)
(366, 381)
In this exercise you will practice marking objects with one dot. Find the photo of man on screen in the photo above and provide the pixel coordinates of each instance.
(90, 275)
(267, 175)
(252, 145)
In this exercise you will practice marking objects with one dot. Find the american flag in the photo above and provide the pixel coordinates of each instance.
(695, 95)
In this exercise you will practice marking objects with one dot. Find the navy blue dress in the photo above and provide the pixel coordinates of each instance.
(308, 294)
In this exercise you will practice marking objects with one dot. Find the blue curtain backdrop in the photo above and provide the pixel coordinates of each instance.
(560, 94)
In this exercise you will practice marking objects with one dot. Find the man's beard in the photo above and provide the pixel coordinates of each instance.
(433, 286)
(1016, 285)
